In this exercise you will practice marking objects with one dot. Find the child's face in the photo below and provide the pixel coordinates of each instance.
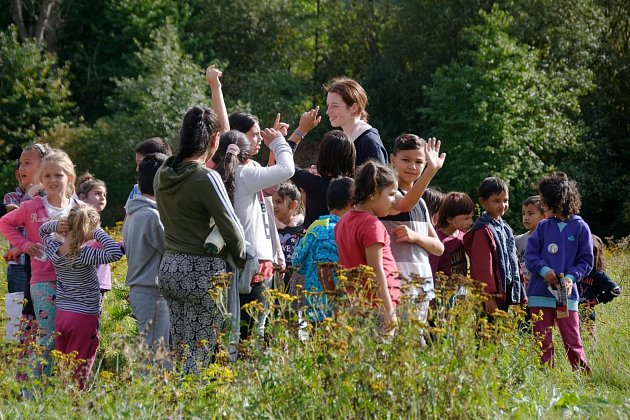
(255, 139)
(531, 216)
(54, 179)
(283, 208)
(409, 164)
(461, 222)
(496, 205)
(29, 164)
(96, 197)
(382, 202)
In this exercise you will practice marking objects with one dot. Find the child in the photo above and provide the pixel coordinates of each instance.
(597, 287)
(94, 192)
(28, 165)
(533, 213)
(319, 246)
(289, 222)
(561, 244)
(413, 230)
(143, 235)
(335, 158)
(363, 240)
(244, 182)
(78, 293)
(454, 218)
(433, 199)
(56, 175)
(491, 250)
(152, 145)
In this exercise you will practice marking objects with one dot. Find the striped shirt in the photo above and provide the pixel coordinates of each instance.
(16, 197)
(77, 282)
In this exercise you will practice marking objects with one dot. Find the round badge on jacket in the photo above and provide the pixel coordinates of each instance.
(552, 248)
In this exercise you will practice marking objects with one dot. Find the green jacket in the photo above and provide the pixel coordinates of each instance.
(191, 201)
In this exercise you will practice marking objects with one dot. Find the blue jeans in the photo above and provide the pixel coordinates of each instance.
(16, 278)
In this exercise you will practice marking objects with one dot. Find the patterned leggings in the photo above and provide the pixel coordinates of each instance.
(43, 295)
(195, 317)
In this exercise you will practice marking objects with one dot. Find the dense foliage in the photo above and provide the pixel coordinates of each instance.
(469, 368)
(513, 88)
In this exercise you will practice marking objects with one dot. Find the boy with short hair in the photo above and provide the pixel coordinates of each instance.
(152, 145)
(415, 236)
(143, 235)
(318, 246)
(533, 212)
(491, 249)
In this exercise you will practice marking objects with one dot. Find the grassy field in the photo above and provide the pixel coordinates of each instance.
(469, 369)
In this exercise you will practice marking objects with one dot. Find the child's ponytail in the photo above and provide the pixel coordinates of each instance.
(234, 149)
(82, 219)
(371, 177)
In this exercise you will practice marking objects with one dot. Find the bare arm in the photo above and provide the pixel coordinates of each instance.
(218, 104)
(374, 258)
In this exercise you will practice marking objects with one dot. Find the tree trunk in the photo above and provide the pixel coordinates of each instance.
(44, 27)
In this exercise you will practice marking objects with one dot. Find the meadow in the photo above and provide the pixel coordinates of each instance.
(467, 369)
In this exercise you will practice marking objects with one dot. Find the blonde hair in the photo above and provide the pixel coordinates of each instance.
(60, 158)
(82, 219)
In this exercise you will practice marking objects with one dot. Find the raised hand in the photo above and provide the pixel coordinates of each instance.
(212, 76)
(280, 126)
(63, 227)
(269, 134)
(309, 120)
(435, 160)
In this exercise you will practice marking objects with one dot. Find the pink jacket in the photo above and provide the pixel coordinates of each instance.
(31, 215)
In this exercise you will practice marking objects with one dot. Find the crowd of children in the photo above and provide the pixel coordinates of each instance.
(351, 207)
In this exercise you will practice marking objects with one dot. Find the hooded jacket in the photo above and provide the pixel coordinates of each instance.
(143, 234)
(191, 200)
(564, 246)
(485, 263)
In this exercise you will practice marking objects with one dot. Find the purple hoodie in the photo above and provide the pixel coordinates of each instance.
(564, 246)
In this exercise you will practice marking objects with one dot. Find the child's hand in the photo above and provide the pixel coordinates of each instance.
(212, 76)
(490, 306)
(568, 284)
(283, 128)
(551, 278)
(435, 160)
(269, 134)
(391, 321)
(63, 227)
(404, 234)
(12, 254)
(35, 250)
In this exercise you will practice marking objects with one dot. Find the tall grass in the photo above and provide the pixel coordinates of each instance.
(468, 368)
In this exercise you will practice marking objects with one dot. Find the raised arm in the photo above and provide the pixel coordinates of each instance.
(218, 104)
(111, 251)
(435, 161)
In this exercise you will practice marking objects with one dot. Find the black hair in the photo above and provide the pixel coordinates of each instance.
(535, 200)
(339, 194)
(154, 145)
(85, 183)
(226, 162)
(289, 190)
(408, 141)
(147, 168)
(371, 178)
(560, 195)
(454, 204)
(492, 185)
(433, 198)
(242, 121)
(336, 155)
(199, 125)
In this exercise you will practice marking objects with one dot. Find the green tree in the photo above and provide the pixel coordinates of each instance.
(498, 112)
(34, 96)
(150, 104)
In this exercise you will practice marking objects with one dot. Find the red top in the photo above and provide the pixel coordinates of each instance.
(358, 230)
(453, 260)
